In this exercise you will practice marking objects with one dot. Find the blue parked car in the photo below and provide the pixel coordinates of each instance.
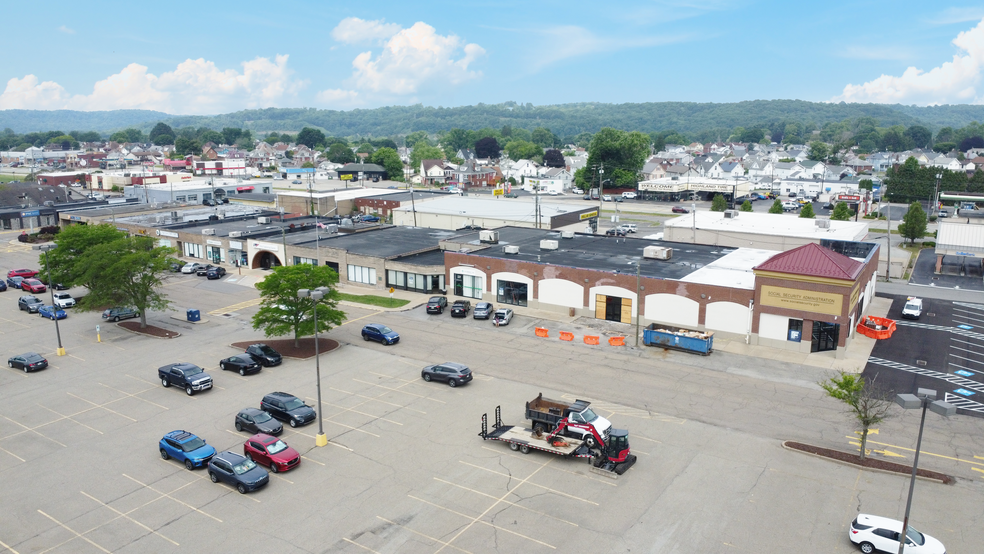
(3, 286)
(380, 333)
(237, 470)
(186, 447)
(370, 218)
(15, 281)
(51, 312)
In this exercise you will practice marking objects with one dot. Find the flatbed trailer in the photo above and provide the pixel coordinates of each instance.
(524, 440)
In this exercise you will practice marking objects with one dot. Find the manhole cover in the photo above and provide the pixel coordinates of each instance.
(936, 278)
(921, 363)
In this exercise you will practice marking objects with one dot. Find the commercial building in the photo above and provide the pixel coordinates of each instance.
(457, 212)
(759, 230)
(686, 188)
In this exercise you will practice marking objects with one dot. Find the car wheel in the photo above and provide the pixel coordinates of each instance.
(452, 383)
(25, 369)
(10, 364)
(867, 547)
(189, 391)
(164, 455)
(213, 477)
(189, 465)
(293, 423)
(591, 442)
(242, 372)
(365, 337)
(513, 446)
(116, 319)
(165, 382)
(239, 427)
(525, 449)
(249, 456)
(426, 377)
(222, 366)
(241, 488)
(273, 467)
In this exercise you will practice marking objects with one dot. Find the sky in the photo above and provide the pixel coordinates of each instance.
(215, 57)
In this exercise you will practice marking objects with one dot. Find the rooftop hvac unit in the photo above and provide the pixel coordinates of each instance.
(208, 231)
(511, 249)
(491, 237)
(657, 252)
(567, 234)
(548, 244)
(823, 223)
(331, 228)
(235, 234)
(263, 220)
(730, 214)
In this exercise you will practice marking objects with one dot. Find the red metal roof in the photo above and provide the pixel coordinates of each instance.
(814, 260)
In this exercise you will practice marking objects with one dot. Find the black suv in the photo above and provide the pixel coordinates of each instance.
(31, 304)
(262, 353)
(437, 304)
(460, 308)
(289, 408)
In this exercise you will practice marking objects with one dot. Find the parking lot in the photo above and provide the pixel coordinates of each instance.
(404, 470)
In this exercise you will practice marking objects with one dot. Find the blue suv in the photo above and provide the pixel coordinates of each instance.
(380, 333)
(186, 447)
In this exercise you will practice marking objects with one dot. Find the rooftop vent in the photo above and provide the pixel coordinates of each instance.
(548, 245)
(823, 223)
(235, 234)
(657, 252)
(208, 231)
(511, 249)
(567, 234)
(489, 237)
(263, 220)
(730, 214)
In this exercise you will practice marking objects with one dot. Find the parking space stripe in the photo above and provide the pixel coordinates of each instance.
(168, 495)
(434, 539)
(525, 481)
(102, 406)
(963, 402)
(475, 520)
(121, 514)
(12, 454)
(515, 504)
(350, 541)
(73, 531)
(524, 457)
(134, 395)
(8, 547)
(69, 418)
(968, 359)
(353, 410)
(28, 429)
(400, 391)
(376, 399)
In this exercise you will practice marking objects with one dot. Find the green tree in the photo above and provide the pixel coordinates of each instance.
(523, 150)
(424, 152)
(310, 137)
(946, 134)
(807, 211)
(841, 212)
(719, 204)
(230, 135)
(913, 224)
(162, 134)
(819, 151)
(455, 140)
(185, 146)
(865, 184)
(776, 207)
(118, 136)
(365, 148)
(72, 243)
(920, 136)
(416, 137)
(746, 206)
(976, 183)
(622, 154)
(543, 138)
(865, 403)
(391, 162)
(272, 138)
(307, 165)
(63, 141)
(340, 153)
(210, 136)
(282, 312)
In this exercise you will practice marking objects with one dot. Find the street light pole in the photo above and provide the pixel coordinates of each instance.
(924, 398)
(317, 294)
(51, 287)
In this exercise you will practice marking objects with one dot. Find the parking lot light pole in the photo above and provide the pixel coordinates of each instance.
(316, 295)
(51, 288)
(924, 398)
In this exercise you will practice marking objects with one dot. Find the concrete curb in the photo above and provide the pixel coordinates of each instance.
(863, 468)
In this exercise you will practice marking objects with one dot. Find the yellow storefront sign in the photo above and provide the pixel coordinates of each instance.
(589, 215)
(497, 192)
(345, 177)
(802, 300)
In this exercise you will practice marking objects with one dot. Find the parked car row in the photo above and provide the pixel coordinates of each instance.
(461, 308)
(202, 270)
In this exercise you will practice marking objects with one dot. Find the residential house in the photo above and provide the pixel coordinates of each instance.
(652, 171)
(520, 169)
(731, 169)
(759, 166)
(680, 172)
(466, 154)
(471, 175)
(432, 172)
(784, 170)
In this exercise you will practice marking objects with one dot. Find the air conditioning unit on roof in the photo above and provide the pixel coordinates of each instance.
(548, 244)
(235, 234)
(263, 220)
(511, 249)
(490, 237)
(208, 231)
(823, 223)
(657, 252)
(567, 234)
(730, 214)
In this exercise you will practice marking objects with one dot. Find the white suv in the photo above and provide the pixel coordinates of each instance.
(629, 195)
(64, 300)
(872, 533)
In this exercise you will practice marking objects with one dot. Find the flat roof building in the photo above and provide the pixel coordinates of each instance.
(457, 212)
(755, 230)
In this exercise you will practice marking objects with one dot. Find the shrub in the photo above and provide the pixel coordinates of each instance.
(929, 245)
(50, 230)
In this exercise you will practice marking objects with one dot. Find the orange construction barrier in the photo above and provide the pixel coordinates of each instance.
(564, 335)
(617, 341)
(541, 332)
(590, 339)
(876, 327)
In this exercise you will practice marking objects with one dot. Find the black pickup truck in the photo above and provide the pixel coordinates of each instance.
(190, 377)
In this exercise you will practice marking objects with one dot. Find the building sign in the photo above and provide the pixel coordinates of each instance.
(167, 234)
(849, 197)
(214, 242)
(31, 213)
(497, 192)
(802, 300)
(257, 245)
(589, 215)
(653, 186)
(74, 218)
(235, 245)
(345, 177)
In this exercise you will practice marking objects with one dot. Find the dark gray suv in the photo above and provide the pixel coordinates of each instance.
(453, 373)
(31, 304)
(287, 407)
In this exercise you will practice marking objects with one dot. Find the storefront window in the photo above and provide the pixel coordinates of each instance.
(359, 274)
(513, 293)
(795, 330)
(469, 286)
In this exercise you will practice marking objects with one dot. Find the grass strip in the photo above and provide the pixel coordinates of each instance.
(373, 300)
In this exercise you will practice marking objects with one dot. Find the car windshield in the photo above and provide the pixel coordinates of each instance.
(193, 444)
(262, 417)
(277, 447)
(384, 329)
(294, 404)
(589, 415)
(911, 306)
(915, 536)
(435, 299)
(193, 370)
(243, 467)
(267, 350)
(32, 359)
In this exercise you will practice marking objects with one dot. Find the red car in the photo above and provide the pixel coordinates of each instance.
(33, 285)
(271, 451)
(25, 273)
(679, 210)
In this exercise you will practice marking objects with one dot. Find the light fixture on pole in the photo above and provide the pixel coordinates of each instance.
(316, 295)
(51, 287)
(924, 398)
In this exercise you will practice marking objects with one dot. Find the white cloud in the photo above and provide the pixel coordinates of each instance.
(65, 29)
(353, 30)
(194, 86)
(953, 82)
(958, 15)
(338, 98)
(411, 59)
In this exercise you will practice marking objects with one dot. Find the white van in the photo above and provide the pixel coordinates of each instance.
(629, 195)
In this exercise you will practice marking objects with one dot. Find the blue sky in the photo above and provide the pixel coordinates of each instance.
(216, 57)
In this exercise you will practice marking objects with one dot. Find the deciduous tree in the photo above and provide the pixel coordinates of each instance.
(746, 206)
(719, 204)
(841, 212)
(391, 162)
(776, 207)
(340, 154)
(282, 312)
(867, 405)
(913, 225)
(162, 134)
(554, 158)
(807, 211)
(487, 147)
(424, 152)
